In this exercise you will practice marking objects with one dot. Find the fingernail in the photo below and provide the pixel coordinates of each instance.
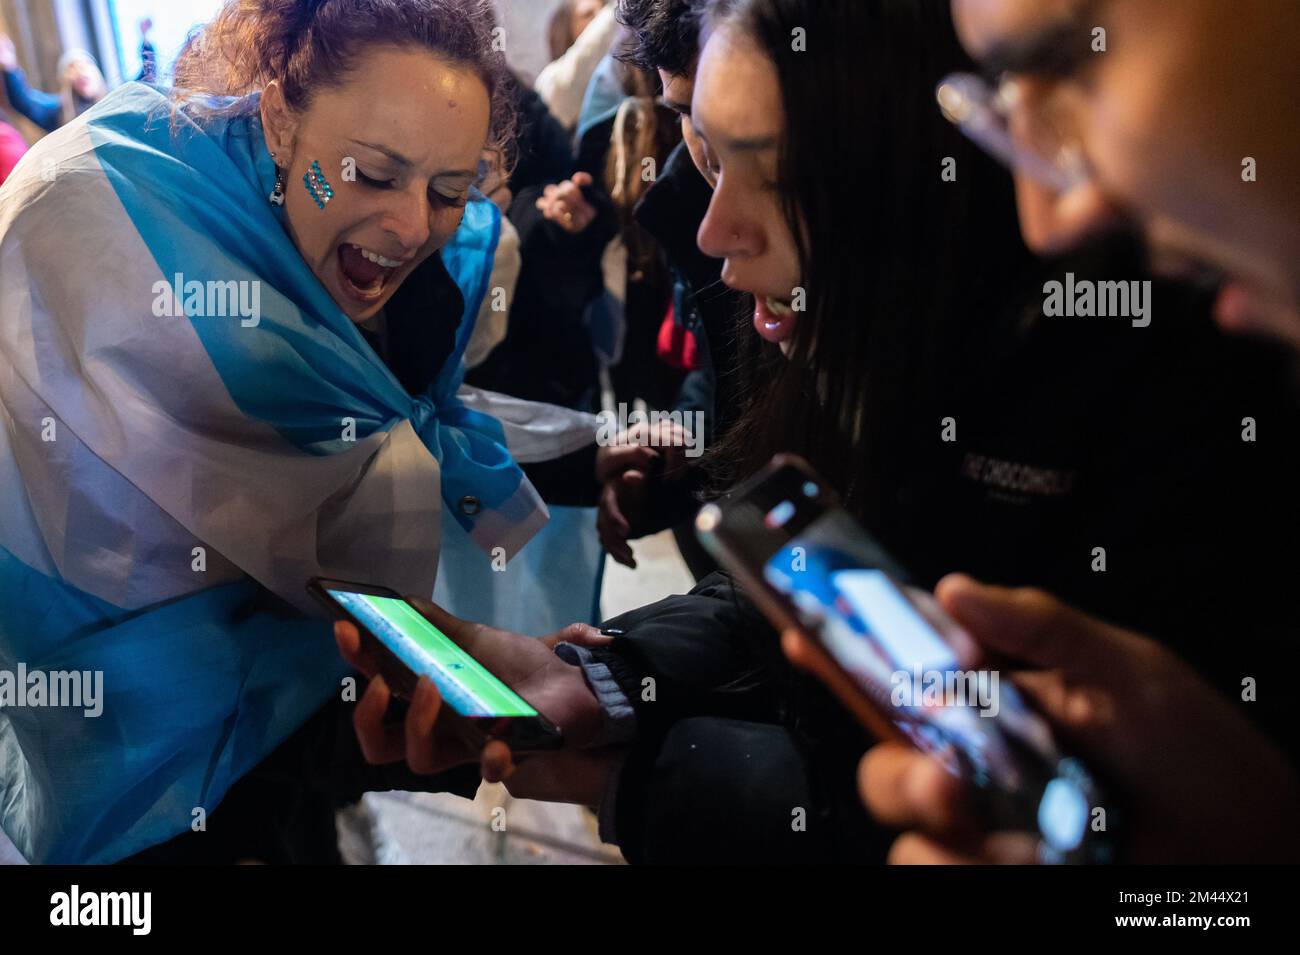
(612, 632)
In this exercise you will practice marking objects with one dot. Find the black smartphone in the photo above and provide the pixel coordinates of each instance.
(902, 665)
(406, 646)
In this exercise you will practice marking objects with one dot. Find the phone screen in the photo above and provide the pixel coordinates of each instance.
(971, 720)
(464, 683)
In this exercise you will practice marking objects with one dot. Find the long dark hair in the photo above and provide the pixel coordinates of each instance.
(904, 271)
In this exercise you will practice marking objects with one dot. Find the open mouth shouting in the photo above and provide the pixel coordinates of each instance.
(365, 275)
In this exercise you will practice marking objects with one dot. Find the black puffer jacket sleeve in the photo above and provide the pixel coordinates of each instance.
(737, 758)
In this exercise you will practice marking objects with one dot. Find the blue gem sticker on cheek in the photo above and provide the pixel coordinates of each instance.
(317, 185)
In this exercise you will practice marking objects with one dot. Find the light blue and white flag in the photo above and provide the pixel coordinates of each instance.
(160, 474)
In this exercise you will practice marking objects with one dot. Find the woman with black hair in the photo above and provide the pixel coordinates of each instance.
(899, 340)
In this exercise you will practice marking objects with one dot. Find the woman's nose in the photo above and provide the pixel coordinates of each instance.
(725, 233)
(408, 220)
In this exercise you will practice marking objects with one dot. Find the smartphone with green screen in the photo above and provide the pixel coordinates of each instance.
(406, 645)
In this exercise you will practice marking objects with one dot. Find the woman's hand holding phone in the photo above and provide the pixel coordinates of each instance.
(528, 665)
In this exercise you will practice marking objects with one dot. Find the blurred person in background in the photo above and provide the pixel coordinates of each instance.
(12, 147)
(82, 85)
(148, 54)
(625, 138)
(563, 83)
(546, 352)
(570, 20)
(566, 229)
(540, 153)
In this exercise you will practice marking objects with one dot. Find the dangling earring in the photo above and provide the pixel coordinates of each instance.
(277, 195)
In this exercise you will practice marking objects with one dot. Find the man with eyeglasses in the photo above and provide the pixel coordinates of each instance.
(1176, 116)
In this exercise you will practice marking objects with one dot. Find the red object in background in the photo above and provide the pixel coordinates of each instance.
(12, 148)
(677, 345)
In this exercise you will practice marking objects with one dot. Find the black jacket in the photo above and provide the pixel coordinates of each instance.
(544, 152)
(547, 354)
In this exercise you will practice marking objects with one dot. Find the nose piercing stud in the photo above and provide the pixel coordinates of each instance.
(317, 185)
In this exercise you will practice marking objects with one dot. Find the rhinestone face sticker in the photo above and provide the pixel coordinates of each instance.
(317, 185)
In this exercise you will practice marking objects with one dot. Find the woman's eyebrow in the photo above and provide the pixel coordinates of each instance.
(458, 174)
(753, 144)
(391, 154)
(407, 163)
(677, 107)
(747, 144)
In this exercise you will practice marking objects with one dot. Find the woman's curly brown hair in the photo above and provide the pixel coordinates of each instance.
(309, 45)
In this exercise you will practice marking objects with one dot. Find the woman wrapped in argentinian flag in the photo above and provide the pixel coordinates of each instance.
(231, 328)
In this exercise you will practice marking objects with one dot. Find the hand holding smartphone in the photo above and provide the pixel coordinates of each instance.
(406, 645)
(902, 666)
